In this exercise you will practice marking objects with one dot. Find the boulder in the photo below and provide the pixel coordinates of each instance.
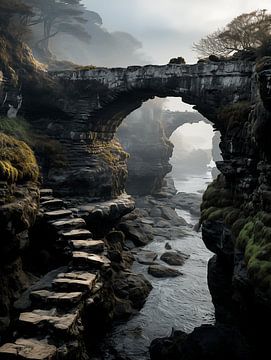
(174, 258)
(161, 271)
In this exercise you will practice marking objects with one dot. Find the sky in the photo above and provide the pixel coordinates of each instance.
(168, 28)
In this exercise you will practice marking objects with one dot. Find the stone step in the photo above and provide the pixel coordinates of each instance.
(58, 299)
(69, 224)
(53, 204)
(77, 234)
(25, 349)
(46, 198)
(75, 281)
(84, 260)
(57, 214)
(90, 246)
(48, 321)
(46, 192)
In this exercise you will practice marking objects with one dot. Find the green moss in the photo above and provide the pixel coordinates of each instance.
(17, 127)
(232, 215)
(49, 151)
(8, 172)
(18, 162)
(217, 195)
(85, 67)
(255, 241)
(245, 234)
(216, 215)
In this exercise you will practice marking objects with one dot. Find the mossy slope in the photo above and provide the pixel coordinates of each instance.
(17, 161)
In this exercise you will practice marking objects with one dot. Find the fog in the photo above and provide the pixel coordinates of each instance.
(168, 28)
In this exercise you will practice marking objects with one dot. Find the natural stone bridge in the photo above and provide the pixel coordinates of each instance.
(88, 106)
(102, 98)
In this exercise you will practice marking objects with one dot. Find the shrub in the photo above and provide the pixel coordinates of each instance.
(179, 60)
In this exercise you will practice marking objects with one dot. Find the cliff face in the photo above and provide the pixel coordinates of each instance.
(236, 212)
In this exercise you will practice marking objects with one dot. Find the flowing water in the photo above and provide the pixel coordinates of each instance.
(183, 302)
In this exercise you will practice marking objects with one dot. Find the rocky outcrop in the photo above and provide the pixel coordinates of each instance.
(142, 136)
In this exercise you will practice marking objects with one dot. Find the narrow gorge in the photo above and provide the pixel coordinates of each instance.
(72, 225)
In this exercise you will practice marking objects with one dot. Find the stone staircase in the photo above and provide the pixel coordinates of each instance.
(51, 326)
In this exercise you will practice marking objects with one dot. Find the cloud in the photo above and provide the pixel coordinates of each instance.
(168, 28)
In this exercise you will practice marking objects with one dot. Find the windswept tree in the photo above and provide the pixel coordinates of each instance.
(54, 17)
(247, 31)
(13, 16)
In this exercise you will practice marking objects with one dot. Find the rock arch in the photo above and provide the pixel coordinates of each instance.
(91, 104)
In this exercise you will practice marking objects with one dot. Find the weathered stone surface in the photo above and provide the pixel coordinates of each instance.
(57, 214)
(48, 319)
(103, 99)
(79, 234)
(55, 298)
(162, 271)
(76, 223)
(75, 281)
(94, 246)
(28, 349)
(86, 260)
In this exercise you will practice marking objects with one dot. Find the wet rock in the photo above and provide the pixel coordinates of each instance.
(134, 287)
(168, 246)
(161, 271)
(140, 234)
(146, 257)
(174, 258)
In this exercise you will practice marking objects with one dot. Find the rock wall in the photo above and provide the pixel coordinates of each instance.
(16, 218)
(236, 213)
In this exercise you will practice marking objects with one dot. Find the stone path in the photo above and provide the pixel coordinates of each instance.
(51, 326)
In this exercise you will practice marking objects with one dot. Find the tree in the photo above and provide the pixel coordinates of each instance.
(245, 32)
(13, 16)
(57, 16)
